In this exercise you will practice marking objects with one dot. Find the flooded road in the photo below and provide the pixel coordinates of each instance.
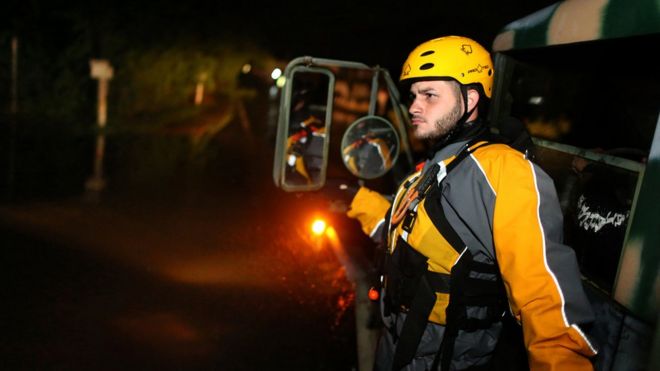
(187, 257)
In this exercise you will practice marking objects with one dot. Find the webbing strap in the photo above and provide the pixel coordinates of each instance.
(439, 282)
(439, 220)
(465, 151)
(414, 325)
(455, 311)
(429, 179)
(466, 291)
(419, 302)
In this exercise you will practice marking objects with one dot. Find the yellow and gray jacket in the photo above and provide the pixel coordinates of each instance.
(496, 209)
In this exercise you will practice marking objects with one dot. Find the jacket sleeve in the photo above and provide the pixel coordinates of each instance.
(541, 274)
(369, 208)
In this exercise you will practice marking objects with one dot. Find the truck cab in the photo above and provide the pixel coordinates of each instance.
(574, 73)
(579, 77)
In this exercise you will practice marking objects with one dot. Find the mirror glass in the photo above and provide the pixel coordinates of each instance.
(370, 147)
(306, 136)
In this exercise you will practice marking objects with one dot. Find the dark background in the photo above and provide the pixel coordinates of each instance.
(188, 188)
(158, 48)
(375, 32)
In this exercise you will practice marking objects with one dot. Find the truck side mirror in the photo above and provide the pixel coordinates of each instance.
(302, 143)
(370, 147)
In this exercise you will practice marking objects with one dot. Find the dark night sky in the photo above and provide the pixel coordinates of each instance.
(384, 34)
(377, 32)
(374, 32)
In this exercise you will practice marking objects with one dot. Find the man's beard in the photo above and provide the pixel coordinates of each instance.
(443, 125)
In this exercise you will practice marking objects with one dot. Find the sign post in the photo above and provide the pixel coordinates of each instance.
(101, 70)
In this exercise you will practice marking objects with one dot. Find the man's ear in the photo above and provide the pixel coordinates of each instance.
(472, 99)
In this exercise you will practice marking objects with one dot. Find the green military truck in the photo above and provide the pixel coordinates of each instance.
(580, 77)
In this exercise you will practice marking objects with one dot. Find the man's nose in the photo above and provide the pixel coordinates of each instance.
(414, 107)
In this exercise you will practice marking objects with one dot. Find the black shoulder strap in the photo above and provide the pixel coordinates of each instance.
(430, 175)
(465, 151)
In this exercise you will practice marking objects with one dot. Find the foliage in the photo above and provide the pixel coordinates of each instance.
(157, 60)
(154, 80)
(52, 71)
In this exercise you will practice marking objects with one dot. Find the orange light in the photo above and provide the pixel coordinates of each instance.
(319, 226)
(373, 294)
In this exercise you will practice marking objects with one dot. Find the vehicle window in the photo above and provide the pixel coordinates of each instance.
(596, 191)
(593, 119)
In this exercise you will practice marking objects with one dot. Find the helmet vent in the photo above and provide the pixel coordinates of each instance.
(428, 52)
(426, 66)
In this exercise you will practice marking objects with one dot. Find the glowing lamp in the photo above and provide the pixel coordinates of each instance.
(280, 81)
(319, 226)
(373, 294)
(276, 74)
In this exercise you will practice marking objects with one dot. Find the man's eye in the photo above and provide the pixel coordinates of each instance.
(429, 96)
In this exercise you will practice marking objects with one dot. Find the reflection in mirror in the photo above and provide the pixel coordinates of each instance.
(370, 147)
(307, 129)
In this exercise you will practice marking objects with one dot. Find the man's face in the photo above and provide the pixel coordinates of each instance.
(435, 108)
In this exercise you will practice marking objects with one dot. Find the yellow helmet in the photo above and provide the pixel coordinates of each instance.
(456, 57)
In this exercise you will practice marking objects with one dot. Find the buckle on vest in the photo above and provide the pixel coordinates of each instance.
(409, 220)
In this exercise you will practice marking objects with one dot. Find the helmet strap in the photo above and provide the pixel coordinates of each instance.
(461, 123)
(463, 129)
(464, 95)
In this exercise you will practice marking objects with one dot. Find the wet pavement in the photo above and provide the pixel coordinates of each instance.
(188, 259)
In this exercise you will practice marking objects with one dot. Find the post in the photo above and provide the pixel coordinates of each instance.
(13, 108)
(366, 337)
(102, 103)
(96, 183)
(101, 70)
(199, 89)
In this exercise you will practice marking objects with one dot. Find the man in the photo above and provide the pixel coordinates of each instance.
(304, 148)
(304, 145)
(475, 232)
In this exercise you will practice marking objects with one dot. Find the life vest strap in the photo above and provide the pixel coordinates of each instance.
(469, 291)
(414, 325)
